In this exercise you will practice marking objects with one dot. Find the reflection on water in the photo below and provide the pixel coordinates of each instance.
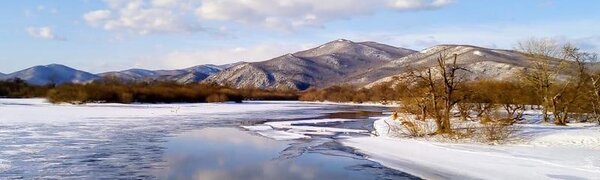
(230, 153)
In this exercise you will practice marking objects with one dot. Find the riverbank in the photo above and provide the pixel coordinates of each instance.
(544, 151)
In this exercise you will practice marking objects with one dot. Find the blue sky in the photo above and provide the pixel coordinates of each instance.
(97, 36)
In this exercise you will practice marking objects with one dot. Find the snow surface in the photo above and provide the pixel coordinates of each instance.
(478, 53)
(550, 153)
(390, 104)
(28, 111)
(300, 129)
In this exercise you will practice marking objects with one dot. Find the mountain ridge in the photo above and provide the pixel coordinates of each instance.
(315, 67)
(484, 62)
(186, 75)
(51, 74)
(341, 61)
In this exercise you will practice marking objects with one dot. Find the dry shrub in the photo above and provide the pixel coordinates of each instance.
(498, 131)
(496, 128)
(217, 98)
(485, 111)
(159, 92)
(412, 127)
(462, 130)
(464, 110)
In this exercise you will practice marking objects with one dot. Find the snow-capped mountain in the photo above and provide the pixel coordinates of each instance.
(481, 62)
(51, 74)
(227, 66)
(188, 75)
(325, 65)
(131, 74)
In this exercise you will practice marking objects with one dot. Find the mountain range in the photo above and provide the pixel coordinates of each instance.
(337, 62)
(51, 74)
(187, 75)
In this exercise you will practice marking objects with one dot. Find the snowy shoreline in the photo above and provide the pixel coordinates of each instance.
(555, 153)
(543, 151)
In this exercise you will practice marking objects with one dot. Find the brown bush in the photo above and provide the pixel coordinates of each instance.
(159, 92)
(498, 131)
(17, 88)
(217, 98)
(462, 130)
(411, 126)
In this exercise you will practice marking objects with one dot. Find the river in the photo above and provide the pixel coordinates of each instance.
(180, 141)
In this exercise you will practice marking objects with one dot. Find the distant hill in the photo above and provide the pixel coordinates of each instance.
(189, 75)
(482, 62)
(51, 74)
(317, 67)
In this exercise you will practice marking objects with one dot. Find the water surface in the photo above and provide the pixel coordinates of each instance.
(230, 153)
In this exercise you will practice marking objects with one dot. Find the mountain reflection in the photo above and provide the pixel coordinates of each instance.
(229, 153)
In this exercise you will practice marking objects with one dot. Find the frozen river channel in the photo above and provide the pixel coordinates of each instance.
(185, 141)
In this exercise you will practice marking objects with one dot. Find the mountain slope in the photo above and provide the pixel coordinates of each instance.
(317, 67)
(188, 75)
(482, 62)
(51, 74)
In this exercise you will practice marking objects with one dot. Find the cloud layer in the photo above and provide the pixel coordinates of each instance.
(145, 17)
(186, 16)
(292, 14)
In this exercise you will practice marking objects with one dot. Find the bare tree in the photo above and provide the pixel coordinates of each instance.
(464, 110)
(594, 83)
(442, 83)
(569, 92)
(545, 66)
(559, 73)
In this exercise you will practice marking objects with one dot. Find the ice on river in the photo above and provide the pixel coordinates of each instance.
(39, 139)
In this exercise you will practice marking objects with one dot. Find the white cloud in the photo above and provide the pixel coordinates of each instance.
(419, 4)
(171, 16)
(96, 17)
(292, 14)
(164, 3)
(43, 33)
(143, 17)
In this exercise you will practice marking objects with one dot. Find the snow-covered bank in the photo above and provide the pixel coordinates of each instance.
(549, 152)
(39, 111)
(390, 104)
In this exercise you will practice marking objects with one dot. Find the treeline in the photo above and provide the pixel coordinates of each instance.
(480, 91)
(17, 88)
(383, 93)
(148, 92)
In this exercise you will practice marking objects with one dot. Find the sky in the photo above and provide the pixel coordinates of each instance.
(108, 35)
